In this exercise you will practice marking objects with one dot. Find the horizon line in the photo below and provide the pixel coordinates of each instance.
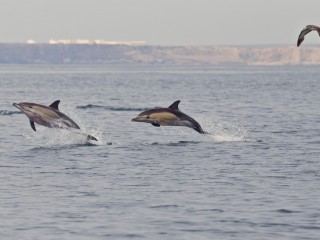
(144, 43)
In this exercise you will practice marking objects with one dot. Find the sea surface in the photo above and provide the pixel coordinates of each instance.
(255, 176)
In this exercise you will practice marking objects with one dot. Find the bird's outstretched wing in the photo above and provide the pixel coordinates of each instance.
(302, 34)
(305, 31)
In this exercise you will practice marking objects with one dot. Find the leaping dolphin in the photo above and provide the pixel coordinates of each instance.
(170, 116)
(48, 116)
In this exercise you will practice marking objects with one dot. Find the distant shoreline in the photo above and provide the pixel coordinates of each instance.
(45, 53)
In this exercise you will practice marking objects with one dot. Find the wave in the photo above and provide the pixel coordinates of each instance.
(174, 144)
(61, 146)
(110, 108)
(8, 113)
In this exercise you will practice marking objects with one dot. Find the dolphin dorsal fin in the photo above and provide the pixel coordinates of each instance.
(174, 106)
(55, 105)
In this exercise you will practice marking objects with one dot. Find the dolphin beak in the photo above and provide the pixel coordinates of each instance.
(17, 105)
(143, 119)
(140, 119)
(135, 119)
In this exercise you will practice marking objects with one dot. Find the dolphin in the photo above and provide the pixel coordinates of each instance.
(48, 116)
(170, 116)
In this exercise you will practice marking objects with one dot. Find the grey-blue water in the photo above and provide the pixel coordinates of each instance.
(255, 177)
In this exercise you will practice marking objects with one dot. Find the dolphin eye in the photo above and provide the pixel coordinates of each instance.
(148, 117)
(30, 107)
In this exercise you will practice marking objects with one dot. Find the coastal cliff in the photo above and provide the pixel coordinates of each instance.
(118, 54)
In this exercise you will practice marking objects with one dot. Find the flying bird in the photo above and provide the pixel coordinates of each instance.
(305, 31)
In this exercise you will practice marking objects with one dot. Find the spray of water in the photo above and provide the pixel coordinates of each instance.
(68, 137)
(217, 131)
(59, 137)
(222, 131)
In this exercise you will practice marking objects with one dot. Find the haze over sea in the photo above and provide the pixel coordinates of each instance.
(256, 176)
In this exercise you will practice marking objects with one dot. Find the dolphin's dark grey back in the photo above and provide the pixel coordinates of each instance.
(196, 125)
(73, 124)
(55, 107)
(170, 116)
(174, 108)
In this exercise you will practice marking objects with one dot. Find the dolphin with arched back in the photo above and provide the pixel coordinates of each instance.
(171, 116)
(48, 116)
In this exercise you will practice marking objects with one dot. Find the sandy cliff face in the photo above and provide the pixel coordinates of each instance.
(271, 56)
(120, 54)
(310, 56)
(186, 54)
(281, 56)
(231, 55)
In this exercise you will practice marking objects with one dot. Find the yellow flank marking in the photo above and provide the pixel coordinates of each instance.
(163, 116)
(46, 112)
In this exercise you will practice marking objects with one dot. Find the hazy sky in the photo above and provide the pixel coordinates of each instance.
(160, 22)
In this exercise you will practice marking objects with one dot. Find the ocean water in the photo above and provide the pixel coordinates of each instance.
(255, 176)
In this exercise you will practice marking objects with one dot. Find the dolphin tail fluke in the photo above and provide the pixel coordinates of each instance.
(89, 137)
(203, 132)
(198, 128)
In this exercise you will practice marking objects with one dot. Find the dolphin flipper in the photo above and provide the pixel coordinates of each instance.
(155, 124)
(33, 126)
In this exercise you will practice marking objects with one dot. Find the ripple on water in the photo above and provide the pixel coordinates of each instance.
(111, 108)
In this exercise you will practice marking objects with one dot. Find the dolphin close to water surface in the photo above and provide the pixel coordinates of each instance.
(48, 116)
(170, 116)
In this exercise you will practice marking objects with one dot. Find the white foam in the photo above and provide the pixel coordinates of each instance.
(223, 131)
(226, 138)
(59, 137)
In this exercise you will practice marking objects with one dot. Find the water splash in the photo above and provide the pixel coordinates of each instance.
(222, 131)
(226, 138)
(59, 137)
(89, 126)
(67, 137)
